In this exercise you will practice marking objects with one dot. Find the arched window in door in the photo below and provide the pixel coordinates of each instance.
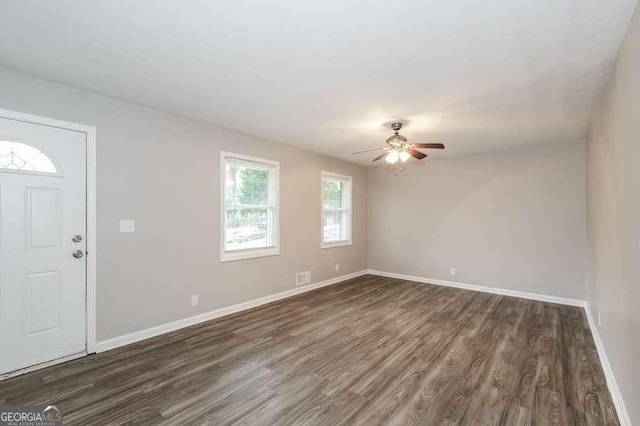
(20, 157)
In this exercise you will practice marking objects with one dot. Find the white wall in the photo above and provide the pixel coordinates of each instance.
(163, 171)
(613, 285)
(512, 219)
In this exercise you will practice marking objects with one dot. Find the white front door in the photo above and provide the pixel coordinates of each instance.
(42, 243)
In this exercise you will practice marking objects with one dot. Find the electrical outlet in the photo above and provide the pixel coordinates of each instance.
(452, 272)
(303, 277)
(127, 225)
(337, 267)
(194, 300)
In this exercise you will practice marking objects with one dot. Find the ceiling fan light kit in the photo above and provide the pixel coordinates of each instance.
(404, 156)
(398, 149)
(392, 157)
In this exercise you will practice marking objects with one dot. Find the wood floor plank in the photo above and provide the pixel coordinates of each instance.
(370, 351)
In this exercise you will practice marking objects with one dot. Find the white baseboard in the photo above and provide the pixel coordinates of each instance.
(481, 288)
(612, 384)
(42, 365)
(137, 336)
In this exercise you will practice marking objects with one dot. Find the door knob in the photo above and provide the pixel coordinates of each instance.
(77, 254)
(76, 238)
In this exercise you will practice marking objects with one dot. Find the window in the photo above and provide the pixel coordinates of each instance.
(249, 199)
(336, 210)
(20, 157)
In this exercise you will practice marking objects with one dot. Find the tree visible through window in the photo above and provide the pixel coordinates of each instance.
(336, 210)
(250, 207)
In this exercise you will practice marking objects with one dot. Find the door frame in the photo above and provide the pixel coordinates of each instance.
(91, 255)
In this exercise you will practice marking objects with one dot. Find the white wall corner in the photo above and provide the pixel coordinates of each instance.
(612, 384)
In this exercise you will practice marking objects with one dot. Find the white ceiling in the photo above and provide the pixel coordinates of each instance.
(328, 74)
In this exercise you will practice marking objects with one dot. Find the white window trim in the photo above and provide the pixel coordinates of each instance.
(254, 252)
(341, 243)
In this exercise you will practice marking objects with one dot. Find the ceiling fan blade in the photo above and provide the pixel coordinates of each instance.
(380, 157)
(416, 154)
(367, 150)
(428, 145)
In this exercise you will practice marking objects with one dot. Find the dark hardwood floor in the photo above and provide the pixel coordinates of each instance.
(370, 351)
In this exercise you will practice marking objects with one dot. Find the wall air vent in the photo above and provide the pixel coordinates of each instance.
(303, 278)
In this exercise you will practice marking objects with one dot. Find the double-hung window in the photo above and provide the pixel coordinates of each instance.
(336, 210)
(249, 199)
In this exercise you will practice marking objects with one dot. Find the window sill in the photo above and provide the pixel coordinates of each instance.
(336, 244)
(249, 254)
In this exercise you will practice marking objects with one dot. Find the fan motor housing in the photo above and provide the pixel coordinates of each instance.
(396, 140)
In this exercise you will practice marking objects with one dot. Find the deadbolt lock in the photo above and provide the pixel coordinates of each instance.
(76, 238)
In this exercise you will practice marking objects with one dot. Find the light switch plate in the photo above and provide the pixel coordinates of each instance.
(127, 225)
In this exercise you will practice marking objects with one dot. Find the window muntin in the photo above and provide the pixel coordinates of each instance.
(336, 210)
(20, 157)
(250, 207)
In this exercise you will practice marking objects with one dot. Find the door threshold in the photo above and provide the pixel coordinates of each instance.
(42, 365)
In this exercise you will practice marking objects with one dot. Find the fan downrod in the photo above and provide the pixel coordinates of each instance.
(396, 127)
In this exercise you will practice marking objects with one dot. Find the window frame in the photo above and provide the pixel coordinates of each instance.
(228, 256)
(349, 240)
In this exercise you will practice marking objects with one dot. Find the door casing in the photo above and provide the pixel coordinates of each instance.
(91, 256)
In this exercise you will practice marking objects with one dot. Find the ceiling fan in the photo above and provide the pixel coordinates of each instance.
(397, 148)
